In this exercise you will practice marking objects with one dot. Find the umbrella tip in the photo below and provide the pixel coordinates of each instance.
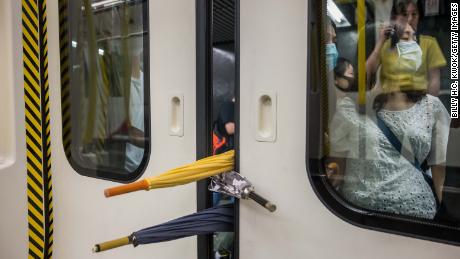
(270, 206)
(96, 249)
(107, 193)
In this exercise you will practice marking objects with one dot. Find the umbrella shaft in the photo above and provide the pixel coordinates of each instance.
(262, 201)
(130, 187)
(112, 244)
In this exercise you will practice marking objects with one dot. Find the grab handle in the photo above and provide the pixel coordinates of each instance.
(266, 117)
(176, 115)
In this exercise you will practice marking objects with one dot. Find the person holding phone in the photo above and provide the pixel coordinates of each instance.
(432, 59)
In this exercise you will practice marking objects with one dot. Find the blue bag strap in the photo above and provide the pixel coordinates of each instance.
(396, 143)
(399, 147)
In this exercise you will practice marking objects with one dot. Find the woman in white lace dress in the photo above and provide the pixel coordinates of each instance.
(376, 176)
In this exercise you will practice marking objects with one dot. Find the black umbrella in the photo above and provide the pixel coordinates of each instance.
(216, 219)
(234, 184)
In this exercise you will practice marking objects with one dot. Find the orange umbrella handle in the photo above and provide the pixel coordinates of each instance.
(111, 244)
(130, 187)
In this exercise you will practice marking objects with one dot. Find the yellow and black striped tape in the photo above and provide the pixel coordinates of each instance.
(65, 78)
(38, 139)
(322, 25)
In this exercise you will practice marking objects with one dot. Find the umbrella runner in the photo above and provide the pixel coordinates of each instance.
(234, 184)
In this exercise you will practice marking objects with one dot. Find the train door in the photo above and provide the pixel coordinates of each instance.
(279, 53)
(114, 82)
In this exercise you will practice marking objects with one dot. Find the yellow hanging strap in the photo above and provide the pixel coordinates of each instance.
(193, 172)
(103, 95)
(361, 17)
(92, 68)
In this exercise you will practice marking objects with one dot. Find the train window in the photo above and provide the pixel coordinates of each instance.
(105, 87)
(382, 137)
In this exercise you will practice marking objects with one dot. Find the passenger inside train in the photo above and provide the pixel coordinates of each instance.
(408, 12)
(390, 157)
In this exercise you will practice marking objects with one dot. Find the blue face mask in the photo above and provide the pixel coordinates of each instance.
(331, 56)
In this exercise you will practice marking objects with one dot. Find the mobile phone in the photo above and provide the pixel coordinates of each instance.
(391, 33)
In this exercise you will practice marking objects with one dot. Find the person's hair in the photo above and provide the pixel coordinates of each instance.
(329, 22)
(339, 71)
(400, 7)
(341, 67)
(413, 95)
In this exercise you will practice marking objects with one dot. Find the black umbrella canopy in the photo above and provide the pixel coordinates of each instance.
(215, 219)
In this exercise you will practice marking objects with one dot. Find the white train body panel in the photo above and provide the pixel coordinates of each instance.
(273, 61)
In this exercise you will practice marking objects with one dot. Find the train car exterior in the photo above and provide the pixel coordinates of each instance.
(51, 206)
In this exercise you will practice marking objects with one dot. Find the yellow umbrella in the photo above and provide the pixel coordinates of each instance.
(196, 171)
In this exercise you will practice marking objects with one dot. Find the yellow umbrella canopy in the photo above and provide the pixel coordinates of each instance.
(193, 172)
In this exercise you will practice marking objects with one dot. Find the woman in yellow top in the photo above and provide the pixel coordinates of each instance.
(385, 53)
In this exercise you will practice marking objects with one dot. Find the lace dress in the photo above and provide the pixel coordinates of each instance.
(377, 177)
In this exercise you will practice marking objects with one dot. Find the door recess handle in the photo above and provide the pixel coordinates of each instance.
(176, 115)
(266, 117)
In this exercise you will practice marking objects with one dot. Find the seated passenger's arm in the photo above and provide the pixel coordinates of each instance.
(434, 81)
(136, 137)
(439, 175)
(439, 143)
(335, 170)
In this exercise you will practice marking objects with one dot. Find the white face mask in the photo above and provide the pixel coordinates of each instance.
(410, 51)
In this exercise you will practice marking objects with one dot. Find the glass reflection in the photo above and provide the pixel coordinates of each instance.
(387, 137)
(107, 84)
